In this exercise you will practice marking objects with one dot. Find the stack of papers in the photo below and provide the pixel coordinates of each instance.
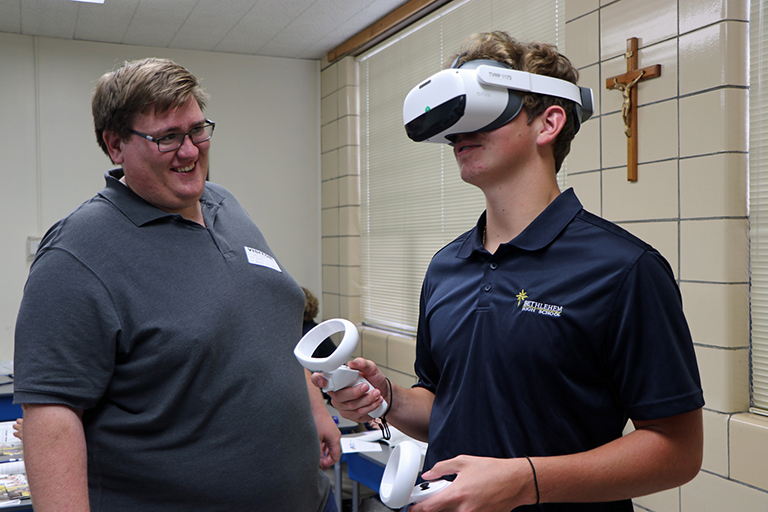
(358, 443)
(13, 477)
(371, 441)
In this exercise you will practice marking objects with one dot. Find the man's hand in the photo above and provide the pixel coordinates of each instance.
(330, 441)
(327, 430)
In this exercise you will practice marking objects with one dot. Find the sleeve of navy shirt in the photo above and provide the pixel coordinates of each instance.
(648, 343)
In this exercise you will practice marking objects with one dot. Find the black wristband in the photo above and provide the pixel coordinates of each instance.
(535, 480)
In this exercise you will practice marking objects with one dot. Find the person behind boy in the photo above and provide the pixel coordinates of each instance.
(541, 331)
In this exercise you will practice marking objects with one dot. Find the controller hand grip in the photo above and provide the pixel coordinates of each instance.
(337, 374)
(397, 483)
(345, 377)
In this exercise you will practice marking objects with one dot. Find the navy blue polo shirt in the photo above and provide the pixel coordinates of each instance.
(549, 345)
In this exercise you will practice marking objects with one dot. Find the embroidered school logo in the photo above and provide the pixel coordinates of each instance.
(531, 306)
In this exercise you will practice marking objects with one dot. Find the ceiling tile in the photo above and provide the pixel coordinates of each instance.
(306, 29)
(10, 16)
(54, 19)
(210, 22)
(156, 22)
(107, 22)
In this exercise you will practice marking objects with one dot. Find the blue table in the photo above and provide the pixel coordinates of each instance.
(366, 468)
(8, 411)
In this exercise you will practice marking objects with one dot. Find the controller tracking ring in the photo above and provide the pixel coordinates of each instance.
(310, 341)
(400, 475)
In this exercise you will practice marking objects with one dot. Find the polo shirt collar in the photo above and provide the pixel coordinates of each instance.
(539, 233)
(138, 210)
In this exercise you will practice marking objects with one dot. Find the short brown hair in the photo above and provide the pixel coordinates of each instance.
(129, 90)
(539, 58)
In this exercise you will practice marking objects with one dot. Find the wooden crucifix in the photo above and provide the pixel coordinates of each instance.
(627, 84)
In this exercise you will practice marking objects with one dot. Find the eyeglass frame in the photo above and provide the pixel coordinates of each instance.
(157, 140)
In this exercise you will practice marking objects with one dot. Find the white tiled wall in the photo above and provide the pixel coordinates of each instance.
(690, 202)
(340, 203)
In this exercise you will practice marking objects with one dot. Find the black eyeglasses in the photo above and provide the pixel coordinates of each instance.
(174, 141)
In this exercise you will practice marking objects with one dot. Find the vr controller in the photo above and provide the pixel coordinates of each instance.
(397, 487)
(336, 373)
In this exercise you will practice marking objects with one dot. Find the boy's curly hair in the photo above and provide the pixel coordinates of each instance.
(539, 58)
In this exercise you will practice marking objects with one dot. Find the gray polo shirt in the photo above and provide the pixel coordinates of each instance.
(176, 340)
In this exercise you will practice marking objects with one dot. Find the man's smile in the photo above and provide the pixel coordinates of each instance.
(183, 169)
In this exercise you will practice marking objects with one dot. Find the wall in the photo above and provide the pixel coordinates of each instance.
(340, 203)
(340, 112)
(690, 202)
(265, 148)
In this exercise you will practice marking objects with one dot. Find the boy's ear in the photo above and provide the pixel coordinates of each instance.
(552, 121)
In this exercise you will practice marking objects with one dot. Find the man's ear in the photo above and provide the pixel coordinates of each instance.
(552, 121)
(114, 146)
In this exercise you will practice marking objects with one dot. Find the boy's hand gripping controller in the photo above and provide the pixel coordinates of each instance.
(397, 483)
(336, 373)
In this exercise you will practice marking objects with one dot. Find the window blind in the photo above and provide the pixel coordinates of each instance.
(758, 206)
(413, 201)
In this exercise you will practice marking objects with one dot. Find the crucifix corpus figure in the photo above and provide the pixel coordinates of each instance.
(626, 90)
(627, 84)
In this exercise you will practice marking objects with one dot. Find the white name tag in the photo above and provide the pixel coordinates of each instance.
(256, 257)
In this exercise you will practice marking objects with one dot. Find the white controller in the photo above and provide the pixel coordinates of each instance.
(337, 374)
(397, 483)
(427, 489)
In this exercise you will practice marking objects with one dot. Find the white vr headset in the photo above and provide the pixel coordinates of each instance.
(479, 96)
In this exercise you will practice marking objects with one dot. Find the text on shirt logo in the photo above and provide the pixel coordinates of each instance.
(531, 306)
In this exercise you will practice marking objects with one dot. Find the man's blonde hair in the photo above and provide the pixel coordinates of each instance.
(136, 86)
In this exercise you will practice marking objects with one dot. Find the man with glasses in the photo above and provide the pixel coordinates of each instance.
(154, 340)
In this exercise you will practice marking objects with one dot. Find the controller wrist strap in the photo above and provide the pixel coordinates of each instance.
(383, 425)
